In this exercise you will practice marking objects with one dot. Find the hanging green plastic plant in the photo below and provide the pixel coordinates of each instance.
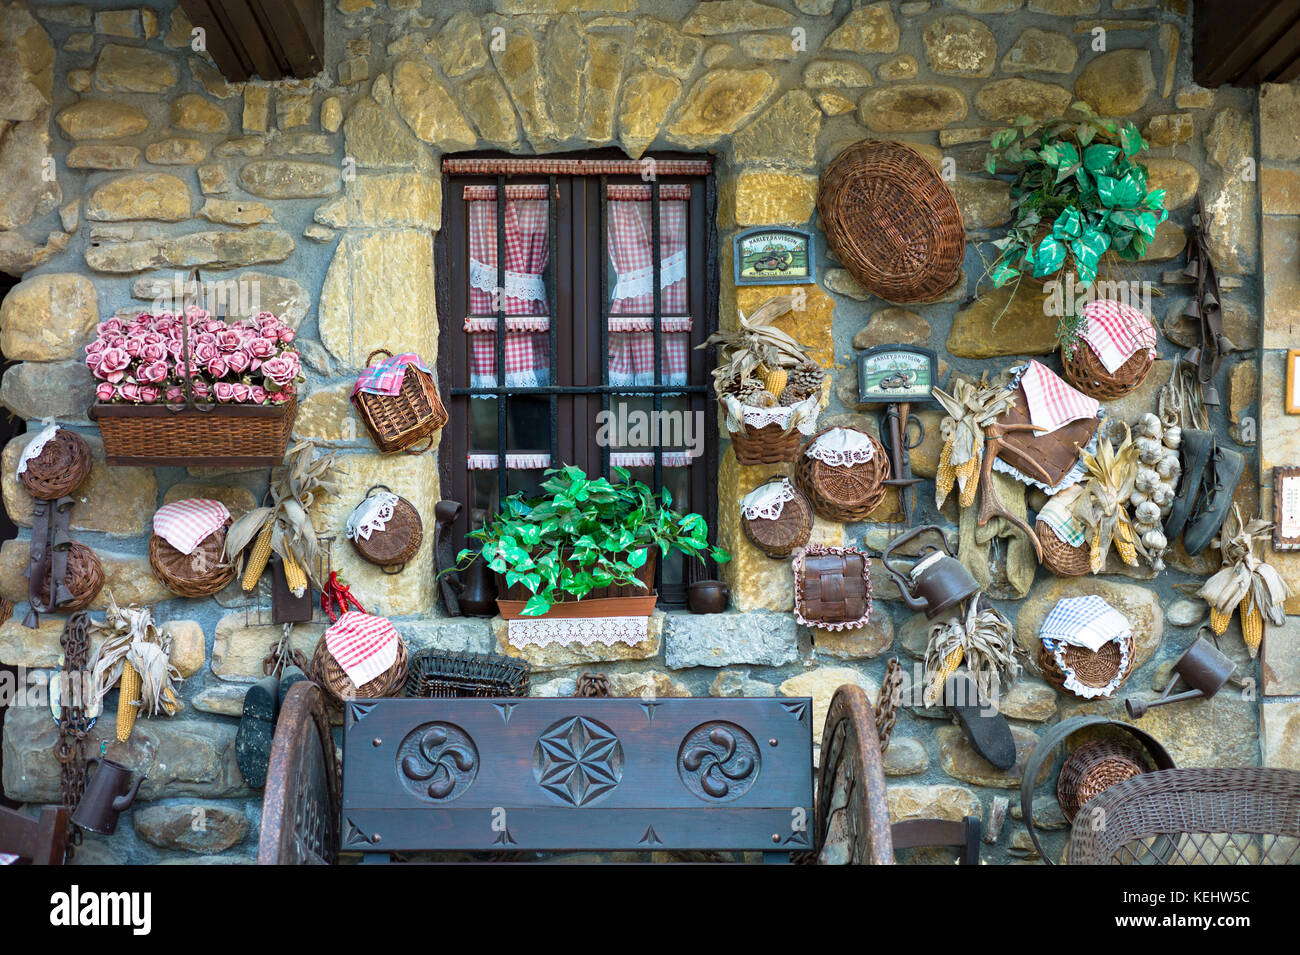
(1078, 193)
(585, 533)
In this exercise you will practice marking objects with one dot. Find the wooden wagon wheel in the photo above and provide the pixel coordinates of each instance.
(300, 808)
(852, 812)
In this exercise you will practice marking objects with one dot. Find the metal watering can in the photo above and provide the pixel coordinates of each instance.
(938, 581)
(1202, 666)
(108, 792)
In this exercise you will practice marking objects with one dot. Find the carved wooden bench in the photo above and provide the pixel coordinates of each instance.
(539, 775)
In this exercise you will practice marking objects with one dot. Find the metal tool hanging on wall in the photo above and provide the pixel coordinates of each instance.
(1206, 309)
(899, 376)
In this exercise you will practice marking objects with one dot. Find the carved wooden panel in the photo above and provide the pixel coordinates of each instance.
(566, 773)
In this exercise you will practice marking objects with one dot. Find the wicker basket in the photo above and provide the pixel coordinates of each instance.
(832, 587)
(85, 579)
(1092, 769)
(780, 538)
(60, 468)
(399, 540)
(892, 221)
(441, 674)
(1062, 559)
(223, 436)
(398, 422)
(765, 445)
(1091, 669)
(1086, 372)
(198, 574)
(326, 671)
(849, 493)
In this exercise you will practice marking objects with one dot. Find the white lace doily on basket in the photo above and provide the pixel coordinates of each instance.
(1072, 682)
(543, 632)
(36, 446)
(841, 447)
(766, 501)
(372, 514)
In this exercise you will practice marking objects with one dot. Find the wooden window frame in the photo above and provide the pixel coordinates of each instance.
(578, 294)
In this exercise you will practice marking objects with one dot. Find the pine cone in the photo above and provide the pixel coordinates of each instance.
(792, 396)
(807, 377)
(749, 391)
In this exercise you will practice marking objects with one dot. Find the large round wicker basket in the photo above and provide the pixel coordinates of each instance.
(198, 574)
(847, 493)
(397, 542)
(85, 579)
(765, 445)
(1091, 669)
(60, 468)
(892, 221)
(1092, 769)
(779, 538)
(1085, 372)
(326, 671)
(1062, 559)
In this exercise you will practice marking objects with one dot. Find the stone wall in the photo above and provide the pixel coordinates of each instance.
(126, 157)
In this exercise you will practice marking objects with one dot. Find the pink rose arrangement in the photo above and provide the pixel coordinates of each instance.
(142, 360)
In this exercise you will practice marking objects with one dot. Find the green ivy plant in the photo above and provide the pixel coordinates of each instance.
(1080, 184)
(584, 533)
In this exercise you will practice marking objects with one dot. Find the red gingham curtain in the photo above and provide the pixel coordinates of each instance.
(526, 347)
(630, 240)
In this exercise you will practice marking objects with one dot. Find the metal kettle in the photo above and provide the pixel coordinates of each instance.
(938, 581)
(109, 791)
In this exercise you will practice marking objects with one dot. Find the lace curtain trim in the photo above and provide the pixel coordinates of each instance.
(842, 447)
(519, 285)
(766, 501)
(35, 447)
(617, 459)
(618, 324)
(586, 631)
(372, 514)
(638, 282)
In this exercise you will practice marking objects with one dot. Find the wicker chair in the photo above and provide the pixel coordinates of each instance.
(1193, 817)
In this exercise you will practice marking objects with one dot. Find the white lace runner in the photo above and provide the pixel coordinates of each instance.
(766, 501)
(842, 447)
(36, 446)
(638, 282)
(372, 514)
(519, 285)
(607, 631)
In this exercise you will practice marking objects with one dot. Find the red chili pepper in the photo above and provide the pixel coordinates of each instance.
(336, 593)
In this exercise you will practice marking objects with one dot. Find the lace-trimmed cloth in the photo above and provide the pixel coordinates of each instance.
(842, 447)
(606, 631)
(36, 446)
(372, 514)
(1088, 622)
(766, 501)
(802, 416)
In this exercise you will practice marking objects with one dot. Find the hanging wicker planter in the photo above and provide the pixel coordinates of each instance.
(1091, 669)
(386, 529)
(892, 221)
(1092, 769)
(766, 445)
(832, 587)
(200, 573)
(401, 421)
(778, 537)
(85, 579)
(1062, 559)
(211, 435)
(59, 469)
(843, 493)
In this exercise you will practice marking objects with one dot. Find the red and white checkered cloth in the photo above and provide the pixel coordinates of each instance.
(187, 524)
(1052, 401)
(1116, 331)
(364, 645)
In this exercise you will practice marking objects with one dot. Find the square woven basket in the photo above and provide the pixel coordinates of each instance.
(398, 422)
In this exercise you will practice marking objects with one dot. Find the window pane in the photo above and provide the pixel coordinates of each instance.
(629, 244)
(527, 254)
(528, 425)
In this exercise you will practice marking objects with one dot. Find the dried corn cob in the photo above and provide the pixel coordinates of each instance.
(128, 701)
(950, 665)
(294, 576)
(774, 379)
(1095, 557)
(967, 471)
(1124, 543)
(258, 556)
(1252, 624)
(1219, 620)
(945, 476)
